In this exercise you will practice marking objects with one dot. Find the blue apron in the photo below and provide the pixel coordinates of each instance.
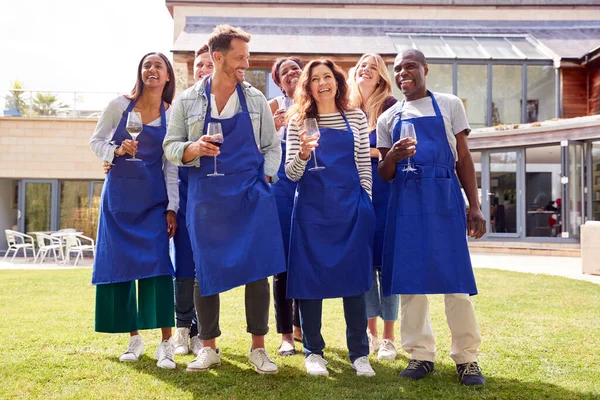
(331, 243)
(425, 249)
(133, 242)
(285, 191)
(232, 219)
(381, 197)
(183, 257)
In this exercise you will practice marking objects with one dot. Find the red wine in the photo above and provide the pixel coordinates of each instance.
(218, 144)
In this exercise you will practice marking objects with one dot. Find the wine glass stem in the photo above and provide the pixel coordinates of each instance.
(215, 169)
(408, 162)
(315, 156)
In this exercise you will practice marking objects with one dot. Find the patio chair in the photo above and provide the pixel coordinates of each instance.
(17, 241)
(79, 247)
(47, 243)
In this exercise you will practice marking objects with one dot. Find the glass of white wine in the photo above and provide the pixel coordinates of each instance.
(312, 130)
(134, 127)
(408, 131)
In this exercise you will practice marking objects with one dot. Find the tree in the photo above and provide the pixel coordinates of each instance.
(15, 102)
(47, 104)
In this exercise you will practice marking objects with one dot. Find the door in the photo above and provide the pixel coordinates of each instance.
(502, 182)
(573, 187)
(38, 205)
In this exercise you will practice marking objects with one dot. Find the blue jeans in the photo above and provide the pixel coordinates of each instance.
(355, 313)
(380, 305)
(185, 314)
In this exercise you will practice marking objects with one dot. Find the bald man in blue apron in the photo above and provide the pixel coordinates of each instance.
(232, 219)
(425, 247)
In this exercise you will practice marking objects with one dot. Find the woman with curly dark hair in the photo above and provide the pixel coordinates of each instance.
(333, 220)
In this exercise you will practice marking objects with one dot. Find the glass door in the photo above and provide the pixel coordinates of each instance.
(503, 185)
(38, 200)
(573, 188)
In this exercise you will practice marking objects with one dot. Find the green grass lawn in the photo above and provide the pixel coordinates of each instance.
(541, 341)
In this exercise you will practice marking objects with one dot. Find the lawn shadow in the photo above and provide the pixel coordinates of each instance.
(235, 379)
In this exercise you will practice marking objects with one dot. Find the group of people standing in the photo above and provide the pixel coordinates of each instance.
(329, 213)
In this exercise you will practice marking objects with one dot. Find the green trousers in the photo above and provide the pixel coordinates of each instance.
(119, 311)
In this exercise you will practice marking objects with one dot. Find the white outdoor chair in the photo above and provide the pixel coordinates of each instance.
(79, 247)
(17, 241)
(47, 243)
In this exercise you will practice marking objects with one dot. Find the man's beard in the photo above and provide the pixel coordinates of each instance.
(230, 71)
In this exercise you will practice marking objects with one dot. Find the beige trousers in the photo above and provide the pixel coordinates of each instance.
(417, 335)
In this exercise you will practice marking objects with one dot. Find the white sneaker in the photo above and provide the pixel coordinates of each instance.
(316, 365)
(261, 362)
(207, 358)
(134, 349)
(195, 344)
(373, 343)
(181, 341)
(363, 367)
(387, 350)
(164, 355)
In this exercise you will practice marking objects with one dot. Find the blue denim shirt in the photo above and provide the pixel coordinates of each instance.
(186, 125)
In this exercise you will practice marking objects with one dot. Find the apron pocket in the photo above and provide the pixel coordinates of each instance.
(428, 196)
(133, 195)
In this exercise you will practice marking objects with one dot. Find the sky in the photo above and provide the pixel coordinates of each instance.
(80, 45)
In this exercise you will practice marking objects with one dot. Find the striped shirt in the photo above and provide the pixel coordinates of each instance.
(295, 166)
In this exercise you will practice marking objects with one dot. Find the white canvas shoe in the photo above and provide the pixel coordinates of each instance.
(207, 358)
(181, 341)
(261, 362)
(195, 345)
(134, 350)
(387, 350)
(363, 367)
(164, 355)
(316, 365)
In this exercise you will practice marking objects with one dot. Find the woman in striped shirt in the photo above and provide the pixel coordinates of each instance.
(333, 220)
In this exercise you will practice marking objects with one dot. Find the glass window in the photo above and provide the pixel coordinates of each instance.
(401, 42)
(439, 78)
(527, 48)
(541, 93)
(74, 205)
(507, 86)
(498, 47)
(258, 79)
(542, 190)
(575, 203)
(432, 46)
(595, 181)
(465, 47)
(472, 90)
(397, 93)
(503, 188)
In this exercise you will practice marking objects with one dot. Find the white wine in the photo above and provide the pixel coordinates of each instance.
(134, 131)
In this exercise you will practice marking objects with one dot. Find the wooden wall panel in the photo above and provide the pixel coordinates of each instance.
(594, 90)
(575, 92)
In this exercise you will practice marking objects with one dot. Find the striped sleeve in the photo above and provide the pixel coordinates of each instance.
(294, 165)
(360, 128)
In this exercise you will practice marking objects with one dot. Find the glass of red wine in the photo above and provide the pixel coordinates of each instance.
(214, 135)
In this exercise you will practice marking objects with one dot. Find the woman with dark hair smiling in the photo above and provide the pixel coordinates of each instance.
(285, 73)
(137, 214)
(333, 220)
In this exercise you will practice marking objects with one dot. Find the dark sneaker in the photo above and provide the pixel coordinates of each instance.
(470, 374)
(417, 369)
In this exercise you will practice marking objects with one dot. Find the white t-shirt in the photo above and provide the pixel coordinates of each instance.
(230, 108)
(451, 107)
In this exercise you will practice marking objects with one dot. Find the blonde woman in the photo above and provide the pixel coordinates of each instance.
(371, 91)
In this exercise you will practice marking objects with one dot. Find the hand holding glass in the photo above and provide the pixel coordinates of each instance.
(134, 127)
(408, 131)
(214, 134)
(312, 130)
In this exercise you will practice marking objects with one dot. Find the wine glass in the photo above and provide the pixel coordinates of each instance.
(134, 127)
(312, 130)
(408, 131)
(214, 134)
